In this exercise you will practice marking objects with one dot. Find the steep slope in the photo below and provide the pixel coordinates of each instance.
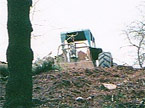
(85, 88)
(79, 88)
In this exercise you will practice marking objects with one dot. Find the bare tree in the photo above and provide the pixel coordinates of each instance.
(136, 36)
(19, 55)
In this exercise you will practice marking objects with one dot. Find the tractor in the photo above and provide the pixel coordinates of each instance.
(78, 50)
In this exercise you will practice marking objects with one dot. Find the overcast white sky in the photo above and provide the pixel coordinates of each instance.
(105, 18)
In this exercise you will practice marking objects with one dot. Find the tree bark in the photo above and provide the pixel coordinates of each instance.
(19, 55)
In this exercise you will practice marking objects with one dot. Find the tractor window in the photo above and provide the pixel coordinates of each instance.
(75, 36)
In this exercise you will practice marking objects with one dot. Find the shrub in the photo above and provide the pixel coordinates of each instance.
(4, 70)
(43, 65)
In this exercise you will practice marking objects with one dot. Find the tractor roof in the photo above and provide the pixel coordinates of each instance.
(77, 36)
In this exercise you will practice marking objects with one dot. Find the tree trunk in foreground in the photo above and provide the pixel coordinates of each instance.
(19, 55)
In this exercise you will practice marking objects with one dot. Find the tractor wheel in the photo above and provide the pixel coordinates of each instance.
(105, 59)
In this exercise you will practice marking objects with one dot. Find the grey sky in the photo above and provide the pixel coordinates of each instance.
(105, 18)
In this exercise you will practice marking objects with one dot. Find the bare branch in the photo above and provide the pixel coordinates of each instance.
(136, 37)
(34, 8)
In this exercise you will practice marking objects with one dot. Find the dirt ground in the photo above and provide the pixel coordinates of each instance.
(83, 88)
